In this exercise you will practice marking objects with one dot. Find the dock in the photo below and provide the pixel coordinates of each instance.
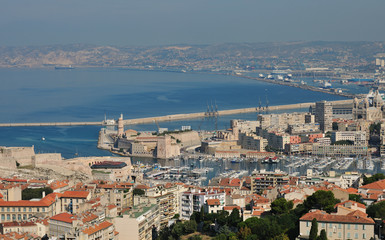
(175, 117)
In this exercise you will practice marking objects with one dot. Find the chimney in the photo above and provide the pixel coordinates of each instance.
(43, 194)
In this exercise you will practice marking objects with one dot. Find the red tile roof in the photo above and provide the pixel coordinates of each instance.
(345, 203)
(44, 202)
(322, 216)
(64, 217)
(17, 224)
(212, 202)
(228, 208)
(379, 185)
(75, 194)
(97, 228)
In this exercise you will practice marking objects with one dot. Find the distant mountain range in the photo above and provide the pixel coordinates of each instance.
(197, 57)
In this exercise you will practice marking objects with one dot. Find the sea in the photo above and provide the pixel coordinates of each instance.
(91, 94)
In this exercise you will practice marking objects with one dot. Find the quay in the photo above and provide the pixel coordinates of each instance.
(175, 117)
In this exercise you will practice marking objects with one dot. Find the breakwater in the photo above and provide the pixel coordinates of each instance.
(175, 117)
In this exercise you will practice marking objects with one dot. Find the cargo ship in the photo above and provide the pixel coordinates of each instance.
(64, 67)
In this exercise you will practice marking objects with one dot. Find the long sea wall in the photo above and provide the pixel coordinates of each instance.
(175, 117)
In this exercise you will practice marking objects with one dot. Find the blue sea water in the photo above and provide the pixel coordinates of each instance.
(88, 94)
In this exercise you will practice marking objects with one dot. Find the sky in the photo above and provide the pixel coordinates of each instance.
(165, 22)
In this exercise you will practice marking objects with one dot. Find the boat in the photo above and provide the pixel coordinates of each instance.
(280, 77)
(270, 160)
(261, 75)
(43, 138)
(270, 76)
(64, 67)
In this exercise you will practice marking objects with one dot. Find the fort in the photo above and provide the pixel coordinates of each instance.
(182, 116)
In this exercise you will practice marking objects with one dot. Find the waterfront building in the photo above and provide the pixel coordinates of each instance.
(324, 115)
(284, 119)
(357, 137)
(355, 225)
(262, 179)
(339, 150)
(139, 222)
(115, 171)
(252, 142)
(304, 128)
(370, 107)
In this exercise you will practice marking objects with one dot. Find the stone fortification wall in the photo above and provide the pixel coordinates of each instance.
(187, 139)
(8, 162)
(23, 155)
(47, 159)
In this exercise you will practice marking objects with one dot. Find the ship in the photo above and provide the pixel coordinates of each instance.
(270, 160)
(64, 67)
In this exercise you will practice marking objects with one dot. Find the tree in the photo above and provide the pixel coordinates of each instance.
(195, 237)
(322, 235)
(321, 199)
(335, 126)
(281, 236)
(177, 230)
(234, 218)
(281, 205)
(313, 230)
(138, 191)
(356, 198)
(376, 210)
(30, 193)
(244, 232)
(189, 226)
(374, 178)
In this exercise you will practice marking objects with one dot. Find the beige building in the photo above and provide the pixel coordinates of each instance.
(102, 231)
(252, 142)
(23, 210)
(352, 226)
(138, 223)
(71, 200)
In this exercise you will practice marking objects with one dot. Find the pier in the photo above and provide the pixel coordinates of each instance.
(175, 117)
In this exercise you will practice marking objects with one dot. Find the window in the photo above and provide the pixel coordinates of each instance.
(363, 236)
(356, 226)
(38, 209)
(7, 209)
(307, 224)
(8, 217)
(339, 234)
(348, 226)
(330, 225)
(330, 234)
(2, 217)
(356, 235)
(339, 225)
(19, 209)
(30, 209)
(363, 227)
(24, 216)
(348, 236)
(19, 217)
(24, 209)
(13, 217)
(323, 225)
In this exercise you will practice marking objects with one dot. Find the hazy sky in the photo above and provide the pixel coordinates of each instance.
(153, 22)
